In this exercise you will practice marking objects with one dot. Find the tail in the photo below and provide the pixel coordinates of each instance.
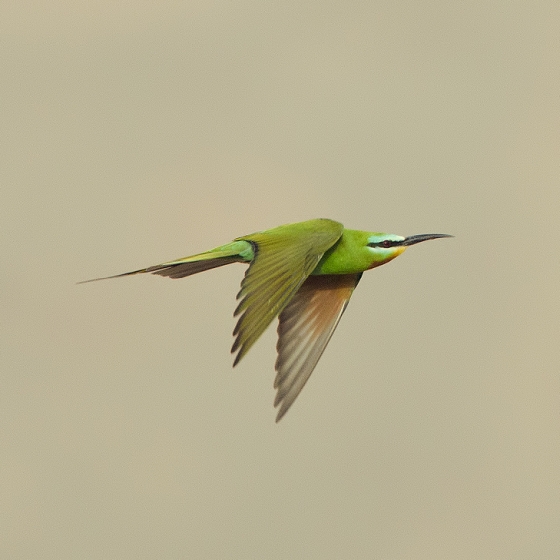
(238, 251)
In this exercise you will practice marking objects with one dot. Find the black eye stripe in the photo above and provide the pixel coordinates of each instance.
(386, 244)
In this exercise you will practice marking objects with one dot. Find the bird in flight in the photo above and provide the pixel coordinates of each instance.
(302, 273)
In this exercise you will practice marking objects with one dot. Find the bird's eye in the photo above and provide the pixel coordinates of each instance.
(387, 243)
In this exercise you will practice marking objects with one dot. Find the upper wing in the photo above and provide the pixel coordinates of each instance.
(306, 326)
(283, 258)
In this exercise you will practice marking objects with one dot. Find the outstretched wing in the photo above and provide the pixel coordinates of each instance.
(283, 258)
(306, 326)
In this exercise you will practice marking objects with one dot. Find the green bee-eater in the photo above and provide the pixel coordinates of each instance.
(303, 273)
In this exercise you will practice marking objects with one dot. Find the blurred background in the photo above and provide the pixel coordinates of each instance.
(134, 133)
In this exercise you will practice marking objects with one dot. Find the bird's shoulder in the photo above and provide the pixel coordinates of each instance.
(312, 236)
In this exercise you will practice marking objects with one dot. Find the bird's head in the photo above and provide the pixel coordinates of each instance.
(384, 247)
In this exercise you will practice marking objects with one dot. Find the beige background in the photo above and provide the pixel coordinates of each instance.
(137, 132)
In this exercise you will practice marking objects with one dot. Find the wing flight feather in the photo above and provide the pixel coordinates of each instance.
(305, 328)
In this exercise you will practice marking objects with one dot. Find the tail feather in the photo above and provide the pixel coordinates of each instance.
(238, 251)
(186, 269)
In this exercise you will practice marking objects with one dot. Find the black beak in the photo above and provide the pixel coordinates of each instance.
(413, 239)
